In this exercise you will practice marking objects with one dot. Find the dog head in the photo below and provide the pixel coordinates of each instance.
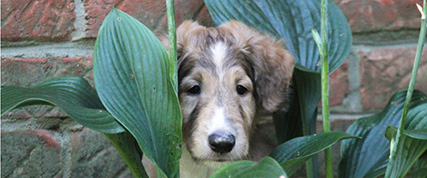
(227, 76)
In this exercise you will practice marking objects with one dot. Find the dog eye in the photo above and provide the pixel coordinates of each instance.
(194, 90)
(241, 90)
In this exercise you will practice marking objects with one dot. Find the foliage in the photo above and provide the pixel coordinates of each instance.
(136, 104)
(267, 167)
(137, 74)
(368, 157)
(73, 95)
(293, 153)
(401, 159)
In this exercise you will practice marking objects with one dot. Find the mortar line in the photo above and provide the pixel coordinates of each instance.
(66, 154)
(80, 21)
(64, 49)
(352, 116)
(379, 46)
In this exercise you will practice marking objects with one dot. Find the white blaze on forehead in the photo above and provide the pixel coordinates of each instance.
(219, 122)
(219, 52)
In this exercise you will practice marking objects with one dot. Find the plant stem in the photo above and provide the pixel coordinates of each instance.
(172, 41)
(412, 82)
(325, 83)
(123, 143)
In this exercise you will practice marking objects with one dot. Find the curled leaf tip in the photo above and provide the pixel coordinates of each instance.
(423, 15)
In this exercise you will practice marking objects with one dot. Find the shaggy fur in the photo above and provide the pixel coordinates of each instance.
(217, 61)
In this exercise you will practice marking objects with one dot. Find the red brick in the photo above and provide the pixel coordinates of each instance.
(150, 12)
(92, 155)
(41, 20)
(28, 72)
(338, 85)
(368, 15)
(385, 71)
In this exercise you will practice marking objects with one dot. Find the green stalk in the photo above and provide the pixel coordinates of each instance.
(172, 41)
(412, 82)
(325, 83)
(127, 151)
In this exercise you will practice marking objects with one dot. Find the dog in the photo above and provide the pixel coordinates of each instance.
(229, 77)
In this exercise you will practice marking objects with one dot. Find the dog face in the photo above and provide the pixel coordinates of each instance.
(227, 76)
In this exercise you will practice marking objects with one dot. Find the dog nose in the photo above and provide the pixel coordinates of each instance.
(221, 142)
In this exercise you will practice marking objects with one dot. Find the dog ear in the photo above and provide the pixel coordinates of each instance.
(183, 34)
(273, 65)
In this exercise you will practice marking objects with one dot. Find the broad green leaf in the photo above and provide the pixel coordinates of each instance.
(290, 127)
(292, 21)
(293, 153)
(129, 150)
(420, 173)
(267, 167)
(73, 95)
(420, 168)
(408, 152)
(421, 134)
(417, 134)
(132, 76)
(308, 88)
(413, 141)
(368, 157)
(288, 123)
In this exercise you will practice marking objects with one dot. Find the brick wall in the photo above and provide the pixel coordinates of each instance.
(44, 39)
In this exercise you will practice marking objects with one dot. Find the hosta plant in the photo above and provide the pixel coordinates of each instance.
(135, 103)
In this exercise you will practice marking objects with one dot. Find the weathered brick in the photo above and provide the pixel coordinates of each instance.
(338, 85)
(371, 16)
(92, 155)
(41, 20)
(151, 13)
(34, 153)
(386, 70)
(28, 72)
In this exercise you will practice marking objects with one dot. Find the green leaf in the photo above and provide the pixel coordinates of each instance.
(308, 86)
(368, 157)
(420, 168)
(292, 21)
(267, 167)
(303, 108)
(132, 76)
(129, 150)
(293, 153)
(413, 141)
(421, 134)
(73, 95)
